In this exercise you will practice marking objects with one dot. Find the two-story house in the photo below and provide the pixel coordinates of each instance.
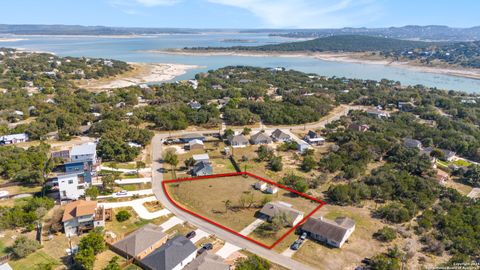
(81, 216)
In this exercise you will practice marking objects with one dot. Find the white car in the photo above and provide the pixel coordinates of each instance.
(122, 193)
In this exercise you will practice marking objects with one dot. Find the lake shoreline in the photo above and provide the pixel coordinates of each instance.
(356, 58)
(142, 73)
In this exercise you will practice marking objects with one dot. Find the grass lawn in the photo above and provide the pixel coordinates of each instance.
(29, 262)
(207, 197)
(130, 225)
(359, 245)
(461, 163)
(180, 229)
(130, 165)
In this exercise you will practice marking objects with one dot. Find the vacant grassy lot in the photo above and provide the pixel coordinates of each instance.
(219, 200)
(359, 245)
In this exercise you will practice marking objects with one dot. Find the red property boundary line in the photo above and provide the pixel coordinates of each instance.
(322, 203)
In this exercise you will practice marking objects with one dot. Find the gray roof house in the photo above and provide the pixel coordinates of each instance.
(332, 232)
(238, 141)
(202, 168)
(280, 136)
(260, 138)
(207, 261)
(141, 242)
(273, 209)
(174, 254)
(411, 143)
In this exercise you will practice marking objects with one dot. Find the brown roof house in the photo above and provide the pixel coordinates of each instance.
(80, 216)
(141, 242)
(207, 261)
(332, 232)
(273, 209)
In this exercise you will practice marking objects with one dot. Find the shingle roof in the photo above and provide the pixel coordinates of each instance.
(140, 240)
(238, 139)
(79, 208)
(273, 209)
(202, 165)
(260, 137)
(331, 229)
(207, 261)
(170, 254)
(278, 134)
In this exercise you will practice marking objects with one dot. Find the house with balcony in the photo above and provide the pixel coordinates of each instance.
(81, 216)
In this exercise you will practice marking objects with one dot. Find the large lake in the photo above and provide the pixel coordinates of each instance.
(134, 49)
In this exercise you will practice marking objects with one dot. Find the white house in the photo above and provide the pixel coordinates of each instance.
(201, 157)
(303, 146)
(71, 186)
(273, 209)
(84, 152)
(13, 138)
(332, 232)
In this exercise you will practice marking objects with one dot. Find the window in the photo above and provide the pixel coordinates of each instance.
(70, 181)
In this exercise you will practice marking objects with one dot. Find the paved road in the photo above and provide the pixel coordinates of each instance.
(157, 178)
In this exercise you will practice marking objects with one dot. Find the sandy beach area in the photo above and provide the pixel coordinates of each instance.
(11, 39)
(358, 58)
(140, 74)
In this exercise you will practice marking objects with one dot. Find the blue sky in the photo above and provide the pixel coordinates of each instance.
(243, 13)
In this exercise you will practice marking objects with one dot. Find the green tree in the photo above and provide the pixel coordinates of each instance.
(113, 264)
(385, 234)
(252, 262)
(172, 159)
(93, 240)
(108, 182)
(246, 131)
(85, 258)
(189, 162)
(308, 163)
(92, 192)
(276, 164)
(123, 215)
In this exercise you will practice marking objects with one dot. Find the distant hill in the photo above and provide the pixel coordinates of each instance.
(41, 29)
(412, 32)
(343, 43)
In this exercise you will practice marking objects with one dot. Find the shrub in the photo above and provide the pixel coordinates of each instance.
(123, 215)
(385, 234)
(23, 246)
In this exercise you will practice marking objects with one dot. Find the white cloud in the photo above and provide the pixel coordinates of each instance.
(152, 3)
(308, 13)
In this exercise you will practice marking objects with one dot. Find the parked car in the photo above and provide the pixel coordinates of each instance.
(208, 246)
(122, 193)
(303, 236)
(191, 234)
(296, 244)
(366, 261)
